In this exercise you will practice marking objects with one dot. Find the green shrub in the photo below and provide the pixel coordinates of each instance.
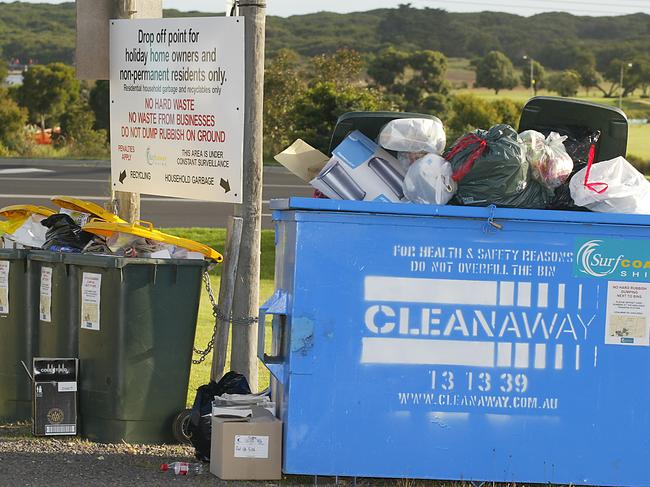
(12, 122)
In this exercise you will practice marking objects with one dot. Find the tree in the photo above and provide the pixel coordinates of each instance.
(414, 81)
(469, 112)
(341, 68)
(566, 83)
(47, 91)
(99, 100)
(12, 121)
(78, 133)
(284, 84)
(640, 74)
(316, 111)
(429, 70)
(585, 66)
(480, 42)
(613, 75)
(539, 75)
(508, 111)
(387, 66)
(495, 71)
(4, 71)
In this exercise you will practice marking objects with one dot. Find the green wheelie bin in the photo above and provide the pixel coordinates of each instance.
(18, 336)
(137, 321)
(55, 306)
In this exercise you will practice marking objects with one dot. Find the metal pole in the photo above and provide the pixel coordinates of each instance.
(620, 91)
(532, 79)
(127, 204)
(246, 299)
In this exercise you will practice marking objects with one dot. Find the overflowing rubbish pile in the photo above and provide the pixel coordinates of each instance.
(410, 161)
(84, 227)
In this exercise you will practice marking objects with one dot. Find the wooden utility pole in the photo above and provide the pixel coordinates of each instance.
(246, 298)
(92, 60)
(128, 204)
(226, 292)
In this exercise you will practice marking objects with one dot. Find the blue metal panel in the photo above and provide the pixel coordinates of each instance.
(426, 346)
(411, 209)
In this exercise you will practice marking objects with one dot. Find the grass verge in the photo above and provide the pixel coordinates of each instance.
(215, 238)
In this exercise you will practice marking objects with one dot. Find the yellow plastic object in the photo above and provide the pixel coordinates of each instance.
(75, 204)
(8, 227)
(146, 230)
(15, 212)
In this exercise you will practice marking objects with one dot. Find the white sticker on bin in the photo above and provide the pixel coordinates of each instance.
(90, 301)
(4, 287)
(45, 307)
(248, 446)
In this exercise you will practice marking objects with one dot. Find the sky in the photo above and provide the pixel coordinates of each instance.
(286, 8)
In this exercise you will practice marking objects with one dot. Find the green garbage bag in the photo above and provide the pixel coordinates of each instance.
(490, 168)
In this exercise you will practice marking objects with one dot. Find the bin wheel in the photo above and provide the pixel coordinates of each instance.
(180, 424)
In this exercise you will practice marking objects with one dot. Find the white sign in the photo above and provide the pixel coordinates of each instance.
(177, 107)
(628, 304)
(247, 446)
(4, 287)
(45, 308)
(91, 290)
(67, 387)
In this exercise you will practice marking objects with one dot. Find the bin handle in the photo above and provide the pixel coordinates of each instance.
(144, 223)
(276, 305)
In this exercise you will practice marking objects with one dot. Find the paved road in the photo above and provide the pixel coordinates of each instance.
(35, 181)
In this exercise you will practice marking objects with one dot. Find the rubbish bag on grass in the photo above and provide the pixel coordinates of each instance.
(490, 167)
(429, 181)
(613, 186)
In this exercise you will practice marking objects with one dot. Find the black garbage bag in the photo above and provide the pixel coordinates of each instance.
(490, 168)
(200, 425)
(64, 235)
(581, 146)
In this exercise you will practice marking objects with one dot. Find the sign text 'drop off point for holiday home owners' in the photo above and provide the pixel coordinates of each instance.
(177, 107)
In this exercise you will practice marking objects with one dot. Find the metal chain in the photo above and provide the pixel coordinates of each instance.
(218, 316)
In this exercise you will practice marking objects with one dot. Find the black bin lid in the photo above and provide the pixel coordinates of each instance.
(545, 112)
(368, 123)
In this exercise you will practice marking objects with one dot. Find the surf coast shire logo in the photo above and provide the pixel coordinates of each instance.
(154, 159)
(596, 258)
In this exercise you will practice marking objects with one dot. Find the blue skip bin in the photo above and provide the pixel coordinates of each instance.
(461, 343)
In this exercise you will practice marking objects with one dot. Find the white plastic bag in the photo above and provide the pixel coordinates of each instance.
(550, 163)
(30, 234)
(429, 181)
(613, 186)
(414, 135)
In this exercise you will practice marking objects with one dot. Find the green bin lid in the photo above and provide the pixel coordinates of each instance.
(368, 123)
(546, 112)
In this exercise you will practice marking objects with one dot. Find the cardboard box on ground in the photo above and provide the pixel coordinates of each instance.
(55, 396)
(247, 448)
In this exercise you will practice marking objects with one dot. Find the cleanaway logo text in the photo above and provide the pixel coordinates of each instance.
(592, 262)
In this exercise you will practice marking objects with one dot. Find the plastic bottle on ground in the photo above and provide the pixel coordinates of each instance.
(182, 468)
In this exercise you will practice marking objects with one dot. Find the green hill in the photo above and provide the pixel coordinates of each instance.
(46, 33)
